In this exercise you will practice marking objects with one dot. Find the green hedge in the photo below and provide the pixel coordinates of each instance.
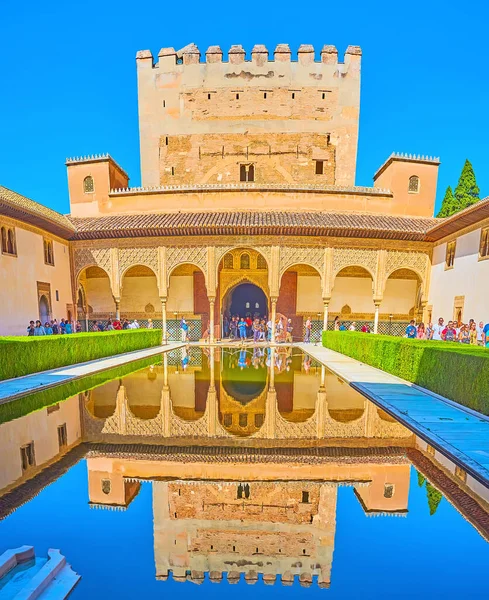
(24, 355)
(456, 371)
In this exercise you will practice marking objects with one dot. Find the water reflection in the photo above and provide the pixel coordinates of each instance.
(236, 393)
(244, 453)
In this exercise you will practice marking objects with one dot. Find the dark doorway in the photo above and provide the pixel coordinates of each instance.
(247, 298)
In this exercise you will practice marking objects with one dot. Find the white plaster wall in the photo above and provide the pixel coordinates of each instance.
(40, 428)
(180, 294)
(354, 291)
(137, 293)
(469, 277)
(18, 282)
(309, 296)
(399, 296)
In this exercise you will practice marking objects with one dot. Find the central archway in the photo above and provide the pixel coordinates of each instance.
(245, 299)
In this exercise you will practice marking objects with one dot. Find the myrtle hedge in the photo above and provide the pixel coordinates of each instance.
(24, 355)
(457, 371)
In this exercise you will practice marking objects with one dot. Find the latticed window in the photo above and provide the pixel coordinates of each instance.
(484, 245)
(413, 184)
(245, 261)
(450, 256)
(228, 261)
(261, 263)
(88, 186)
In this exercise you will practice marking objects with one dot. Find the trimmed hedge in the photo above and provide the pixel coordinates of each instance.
(39, 400)
(457, 371)
(24, 355)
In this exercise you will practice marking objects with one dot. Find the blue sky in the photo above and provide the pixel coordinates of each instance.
(69, 78)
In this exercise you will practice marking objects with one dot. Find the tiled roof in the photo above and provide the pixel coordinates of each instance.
(338, 224)
(465, 218)
(19, 207)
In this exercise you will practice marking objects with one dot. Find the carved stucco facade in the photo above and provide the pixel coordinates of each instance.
(163, 257)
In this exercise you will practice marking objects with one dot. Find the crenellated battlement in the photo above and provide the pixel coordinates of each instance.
(169, 58)
(251, 577)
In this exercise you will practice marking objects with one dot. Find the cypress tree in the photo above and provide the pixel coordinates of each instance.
(434, 497)
(449, 206)
(421, 479)
(467, 190)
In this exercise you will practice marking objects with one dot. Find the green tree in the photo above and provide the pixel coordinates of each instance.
(449, 206)
(421, 479)
(434, 497)
(467, 190)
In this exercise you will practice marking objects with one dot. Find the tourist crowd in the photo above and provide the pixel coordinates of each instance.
(53, 327)
(453, 331)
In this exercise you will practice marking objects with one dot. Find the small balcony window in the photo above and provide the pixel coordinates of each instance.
(247, 173)
(88, 187)
(413, 187)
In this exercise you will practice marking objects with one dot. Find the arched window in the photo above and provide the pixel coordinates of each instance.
(48, 252)
(413, 184)
(88, 186)
(11, 242)
(4, 240)
(261, 263)
(245, 261)
(228, 261)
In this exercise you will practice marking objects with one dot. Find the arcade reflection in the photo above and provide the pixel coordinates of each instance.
(245, 451)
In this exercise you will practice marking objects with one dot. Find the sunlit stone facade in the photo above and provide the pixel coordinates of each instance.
(248, 172)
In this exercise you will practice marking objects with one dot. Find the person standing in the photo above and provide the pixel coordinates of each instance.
(485, 333)
(307, 333)
(480, 333)
(150, 324)
(336, 323)
(438, 330)
(233, 328)
(30, 329)
(184, 329)
(39, 329)
(428, 334)
(269, 330)
(411, 330)
(449, 334)
(290, 328)
(464, 334)
(62, 326)
(421, 333)
(47, 328)
(242, 329)
(68, 328)
(473, 334)
(353, 326)
(136, 324)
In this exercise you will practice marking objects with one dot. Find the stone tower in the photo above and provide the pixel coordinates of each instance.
(274, 121)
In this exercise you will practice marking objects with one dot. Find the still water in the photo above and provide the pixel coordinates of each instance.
(247, 467)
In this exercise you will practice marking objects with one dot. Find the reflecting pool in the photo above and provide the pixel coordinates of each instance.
(237, 466)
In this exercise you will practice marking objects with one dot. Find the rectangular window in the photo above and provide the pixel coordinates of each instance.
(27, 456)
(237, 96)
(173, 170)
(305, 497)
(319, 167)
(243, 420)
(62, 436)
(164, 103)
(450, 256)
(484, 244)
(57, 295)
(9, 245)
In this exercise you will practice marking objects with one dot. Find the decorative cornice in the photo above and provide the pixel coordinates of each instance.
(232, 187)
(91, 158)
(404, 157)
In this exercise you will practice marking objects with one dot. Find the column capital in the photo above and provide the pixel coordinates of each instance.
(211, 298)
(163, 299)
(117, 300)
(378, 301)
(274, 299)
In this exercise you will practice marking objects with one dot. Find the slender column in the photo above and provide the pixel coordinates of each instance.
(211, 319)
(86, 317)
(164, 334)
(117, 308)
(274, 316)
(325, 318)
(376, 317)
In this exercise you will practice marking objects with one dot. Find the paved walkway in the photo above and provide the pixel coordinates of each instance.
(459, 433)
(11, 389)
